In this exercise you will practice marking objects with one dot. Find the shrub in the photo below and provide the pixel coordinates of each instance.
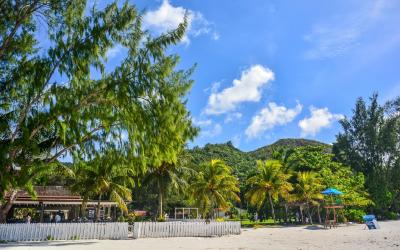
(220, 220)
(390, 215)
(161, 219)
(49, 237)
(131, 218)
(354, 215)
(122, 219)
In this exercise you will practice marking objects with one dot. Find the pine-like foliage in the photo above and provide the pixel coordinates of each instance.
(58, 98)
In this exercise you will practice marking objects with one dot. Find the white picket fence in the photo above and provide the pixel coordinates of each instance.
(63, 231)
(184, 229)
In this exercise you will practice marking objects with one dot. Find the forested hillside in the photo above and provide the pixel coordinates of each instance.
(241, 162)
(265, 152)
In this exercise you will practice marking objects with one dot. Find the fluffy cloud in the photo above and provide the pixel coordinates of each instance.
(114, 51)
(168, 17)
(213, 131)
(202, 123)
(320, 118)
(233, 117)
(245, 89)
(271, 116)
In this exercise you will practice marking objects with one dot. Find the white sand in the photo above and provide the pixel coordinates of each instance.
(345, 237)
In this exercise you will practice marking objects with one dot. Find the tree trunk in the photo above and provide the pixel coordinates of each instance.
(98, 209)
(4, 209)
(160, 200)
(272, 206)
(160, 205)
(309, 213)
(286, 213)
(319, 215)
(301, 215)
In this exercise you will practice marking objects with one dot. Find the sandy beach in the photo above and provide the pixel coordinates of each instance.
(298, 237)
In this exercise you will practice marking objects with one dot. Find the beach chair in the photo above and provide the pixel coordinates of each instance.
(370, 221)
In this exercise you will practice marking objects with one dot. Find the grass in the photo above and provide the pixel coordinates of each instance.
(257, 224)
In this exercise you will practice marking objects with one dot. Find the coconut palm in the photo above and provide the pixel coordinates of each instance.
(104, 177)
(270, 182)
(308, 190)
(214, 187)
(167, 176)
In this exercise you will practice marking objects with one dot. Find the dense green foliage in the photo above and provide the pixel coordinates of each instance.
(369, 144)
(105, 177)
(241, 162)
(213, 187)
(270, 182)
(59, 99)
(267, 152)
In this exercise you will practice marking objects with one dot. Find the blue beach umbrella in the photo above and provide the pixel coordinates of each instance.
(331, 191)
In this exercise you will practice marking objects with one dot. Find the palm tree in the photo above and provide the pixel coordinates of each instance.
(167, 176)
(214, 187)
(269, 182)
(104, 177)
(308, 190)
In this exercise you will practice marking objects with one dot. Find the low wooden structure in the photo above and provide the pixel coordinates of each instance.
(185, 213)
(331, 221)
(51, 200)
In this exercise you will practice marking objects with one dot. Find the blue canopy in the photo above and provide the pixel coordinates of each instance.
(331, 191)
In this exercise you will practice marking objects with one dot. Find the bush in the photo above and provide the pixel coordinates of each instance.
(160, 219)
(354, 215)
(122, 219)
(244, 216)
(131, 218)
(390, 215)
(220, 220)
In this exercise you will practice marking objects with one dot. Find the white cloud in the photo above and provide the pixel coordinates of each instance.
(168, 17)
(320, 118)
(214, 131)
(236, 141)
(114, 51)
(202, 123)
(233, 117)
(245, 89)
(341, 34)
(271, 116)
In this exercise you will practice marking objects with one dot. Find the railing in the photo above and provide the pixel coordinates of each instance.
(184, 229)
(63, 231)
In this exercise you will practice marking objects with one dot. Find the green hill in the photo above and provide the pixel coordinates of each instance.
(240, 161)
(266, 151)
(244, 162)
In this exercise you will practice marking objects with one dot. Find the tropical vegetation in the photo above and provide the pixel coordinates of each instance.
(121, 134)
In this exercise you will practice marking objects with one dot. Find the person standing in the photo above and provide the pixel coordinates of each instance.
(28, 219)
(58, 218)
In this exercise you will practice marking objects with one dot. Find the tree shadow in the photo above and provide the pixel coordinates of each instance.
(315, 227)
(45, 244)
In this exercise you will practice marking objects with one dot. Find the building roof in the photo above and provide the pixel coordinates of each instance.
(54, 195)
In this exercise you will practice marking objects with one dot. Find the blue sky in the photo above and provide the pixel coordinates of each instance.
(276, 69)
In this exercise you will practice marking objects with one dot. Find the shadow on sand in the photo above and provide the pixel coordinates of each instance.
(315, 227)
(40, 244)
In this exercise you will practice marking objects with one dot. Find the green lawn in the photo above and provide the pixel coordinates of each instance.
(250, 224)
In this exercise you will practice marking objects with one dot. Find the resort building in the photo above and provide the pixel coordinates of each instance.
(53, 200)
